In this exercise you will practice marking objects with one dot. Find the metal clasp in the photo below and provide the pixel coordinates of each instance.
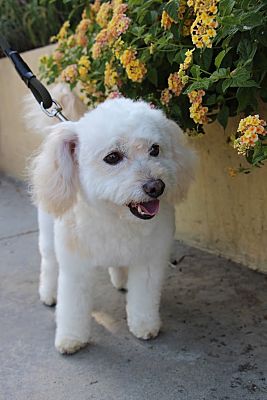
(54, 111)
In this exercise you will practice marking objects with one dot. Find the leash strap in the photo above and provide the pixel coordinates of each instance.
(48, 105)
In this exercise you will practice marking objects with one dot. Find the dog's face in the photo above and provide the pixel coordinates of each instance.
(125, 155)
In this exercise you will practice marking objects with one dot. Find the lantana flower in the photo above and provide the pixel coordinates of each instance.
(203, 29)
(249, 130)
(70, 73)
(166, 20)
(110, 76)
(197, 112)
(83, 67)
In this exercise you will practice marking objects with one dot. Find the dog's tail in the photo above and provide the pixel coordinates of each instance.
(38, 121)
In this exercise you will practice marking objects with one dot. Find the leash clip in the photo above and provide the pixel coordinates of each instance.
(54, 111)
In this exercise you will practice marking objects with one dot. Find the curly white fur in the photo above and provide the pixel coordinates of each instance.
(93, 226)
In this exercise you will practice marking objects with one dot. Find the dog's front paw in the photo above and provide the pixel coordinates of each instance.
(118, 277)
(144, 328)
(66, 345)
(48, 297)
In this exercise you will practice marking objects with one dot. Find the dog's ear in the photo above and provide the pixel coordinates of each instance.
(54, 171)
(185, 161)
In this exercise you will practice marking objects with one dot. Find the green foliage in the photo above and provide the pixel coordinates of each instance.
(29, 24)
(232, 72)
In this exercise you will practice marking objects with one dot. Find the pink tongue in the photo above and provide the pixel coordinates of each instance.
(150, 207)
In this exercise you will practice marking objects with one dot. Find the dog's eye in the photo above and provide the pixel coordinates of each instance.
(113, 158)
(154, 150)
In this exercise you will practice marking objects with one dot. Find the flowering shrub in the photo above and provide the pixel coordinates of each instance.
(200, 60)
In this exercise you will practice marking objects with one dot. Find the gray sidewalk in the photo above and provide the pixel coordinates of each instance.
(213, 344)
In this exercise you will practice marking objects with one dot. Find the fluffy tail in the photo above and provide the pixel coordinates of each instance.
(37, 121)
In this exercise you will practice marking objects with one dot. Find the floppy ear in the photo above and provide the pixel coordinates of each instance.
(185, 161)
(54, 171)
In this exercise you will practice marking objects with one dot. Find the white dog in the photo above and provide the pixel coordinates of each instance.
(110, 180)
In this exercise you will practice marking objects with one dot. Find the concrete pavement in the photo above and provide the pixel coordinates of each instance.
(213, 344)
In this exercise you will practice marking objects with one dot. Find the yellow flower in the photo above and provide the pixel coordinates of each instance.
(136, 70)
(213, 9)
(250, 122)
(120, 9)
(166, 20)
(175, 83)
(111, 75)
(95, 7)
(89, 87)
(83, 72)
(197, 112)
(83, 25)
(118, 48)
(81, 39)
(83, 67)
(43, 59)
(182, 9)
(84, 13)
(127, 56)
(116, 4)
(84, 61)
(71, 41)
(203, 27)
(249, 129)
(117, 26)
(101, 41)
(63, 31)
(104, 14)
(57, 56)
(70, 73)
(165, 96)
(188, 60)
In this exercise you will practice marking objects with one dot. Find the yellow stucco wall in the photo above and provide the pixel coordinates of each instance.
(223, 215)
(16, 143)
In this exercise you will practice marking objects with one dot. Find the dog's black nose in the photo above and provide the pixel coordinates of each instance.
(154, 188)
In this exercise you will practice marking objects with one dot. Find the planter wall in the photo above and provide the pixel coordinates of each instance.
(223, 215)
(16, 143)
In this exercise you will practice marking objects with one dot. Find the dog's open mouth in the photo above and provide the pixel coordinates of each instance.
(145, 210)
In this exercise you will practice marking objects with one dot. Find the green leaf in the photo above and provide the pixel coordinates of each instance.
(229, 21)
(258, 153)
(206, 58)
(220, 57)
(212, 99)
(226, 84)
(248, 83)
(202, 84)
(152, 75)
(241, 78)
(247, 49)
(223, 116)
(171, 8)
(180, 56)
(250, 20)
(195, 71)
(221, 73)
(171, 56)
(246, 97)
(226, 6)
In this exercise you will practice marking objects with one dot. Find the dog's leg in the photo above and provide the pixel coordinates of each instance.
(49, 267)
(74, 303)
(119, 277)
(143, 300)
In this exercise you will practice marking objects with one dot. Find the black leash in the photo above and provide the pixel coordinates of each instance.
(48, 105)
